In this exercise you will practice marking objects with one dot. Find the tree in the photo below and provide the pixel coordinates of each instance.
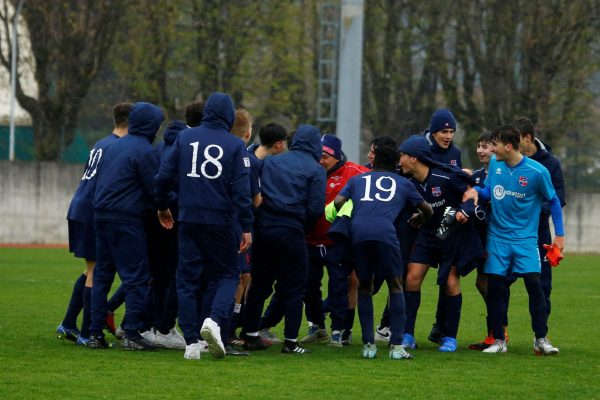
(69, 42)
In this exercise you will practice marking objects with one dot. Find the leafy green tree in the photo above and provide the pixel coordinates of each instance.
(69, 42)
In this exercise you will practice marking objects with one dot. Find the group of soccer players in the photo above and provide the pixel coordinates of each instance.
(202, 231)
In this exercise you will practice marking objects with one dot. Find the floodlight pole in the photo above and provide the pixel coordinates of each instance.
(13, 82)
(350, 77)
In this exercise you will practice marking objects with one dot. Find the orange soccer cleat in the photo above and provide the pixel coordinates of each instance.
(553, 255)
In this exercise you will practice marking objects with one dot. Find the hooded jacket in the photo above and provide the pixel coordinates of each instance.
(81, 208)
(293, 183)
(125, 176)
(544, 156)
(450, 156)
(212, 167)
(169, 136)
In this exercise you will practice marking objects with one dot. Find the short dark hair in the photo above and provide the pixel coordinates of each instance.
(271, 133)
(525, 126)
(507, 134)
(384, 141)
(485, 137)
(121, 114)
(194, 113)
(386, 158)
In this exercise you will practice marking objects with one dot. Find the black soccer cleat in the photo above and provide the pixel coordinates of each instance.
(255, 343)
(138, 343)
(98, 342)
(232, 351)
(436, 335)
(290, 347)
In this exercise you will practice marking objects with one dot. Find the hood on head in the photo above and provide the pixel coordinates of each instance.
(175, 126)
(416, 146)
(219, 111)
(145, 120)
(308, 139)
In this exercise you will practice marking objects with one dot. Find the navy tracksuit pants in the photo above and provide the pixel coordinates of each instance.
(120, 248)
(280, 256)
(337, 298)
(207, 275)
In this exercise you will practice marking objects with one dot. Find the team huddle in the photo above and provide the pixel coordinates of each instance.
(203, 230)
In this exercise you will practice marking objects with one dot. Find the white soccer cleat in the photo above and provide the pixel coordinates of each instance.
(382, 334)
(543, 347)
(211, 332)
(397, 352)
(172, 340)
(499, 346)
(149, 335)
(203, 346)
(192, 351)
(369, 350)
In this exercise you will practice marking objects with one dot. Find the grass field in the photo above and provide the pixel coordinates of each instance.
(35, 285)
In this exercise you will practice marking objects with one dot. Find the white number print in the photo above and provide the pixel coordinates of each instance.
(391, 190)
(92, 167)
(208, 159)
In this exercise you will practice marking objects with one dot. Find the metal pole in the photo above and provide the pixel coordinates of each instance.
(13, 82)
(350, 77)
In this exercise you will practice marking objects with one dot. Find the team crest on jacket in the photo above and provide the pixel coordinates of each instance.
(453, 163)
(523, 181)
(436, 191)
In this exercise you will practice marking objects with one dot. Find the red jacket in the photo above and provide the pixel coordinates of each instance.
(336, 180)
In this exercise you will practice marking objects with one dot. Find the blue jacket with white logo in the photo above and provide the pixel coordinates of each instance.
(81, 208)
(293, 183)
(125, 176)
(213, 169)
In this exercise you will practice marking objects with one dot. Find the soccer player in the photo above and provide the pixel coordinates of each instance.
(322, 251)
(535, 149)
(516, 186)
(82, 235)
(387, 141)
(293, 189)
(378, 197)
(162, 258)
(213, 169)
(485, 151)
(442, 186)
(440, 135)
(123, 191)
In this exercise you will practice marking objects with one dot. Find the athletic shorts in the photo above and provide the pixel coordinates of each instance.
(377, 260)
(516, 258)
(82, 240)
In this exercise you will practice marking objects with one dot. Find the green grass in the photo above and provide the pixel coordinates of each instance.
(35, 285)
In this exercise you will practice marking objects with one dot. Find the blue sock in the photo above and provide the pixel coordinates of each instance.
(397, 312)
(87, 316)
(365, 316)
(496, 286)
(453, 306)
(75, 304)
(349, 320)
(117, 299)
(413, 302)
(537, 304)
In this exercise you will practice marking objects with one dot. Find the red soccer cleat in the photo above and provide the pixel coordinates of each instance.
(553, 255)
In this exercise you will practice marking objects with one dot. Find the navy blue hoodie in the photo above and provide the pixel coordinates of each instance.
(293, 183)
(544, 156)
(213, 169)
(449, 156)
(169, 136)
(125, 175)
(81, 208)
